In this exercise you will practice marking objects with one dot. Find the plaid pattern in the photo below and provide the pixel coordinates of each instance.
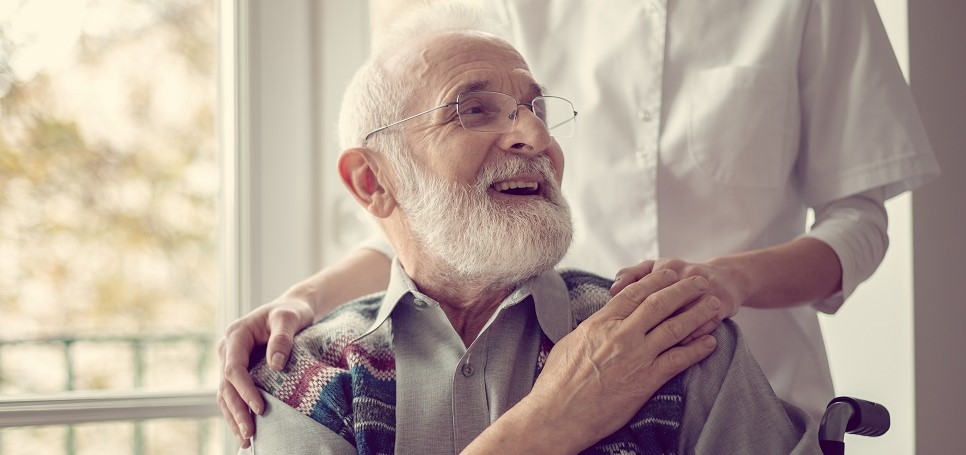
(349, 385)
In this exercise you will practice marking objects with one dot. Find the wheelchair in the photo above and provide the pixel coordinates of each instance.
(850, 415)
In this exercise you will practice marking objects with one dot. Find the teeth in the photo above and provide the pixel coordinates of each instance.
(503, 186)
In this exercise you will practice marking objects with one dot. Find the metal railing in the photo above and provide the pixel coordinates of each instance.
(138, 344)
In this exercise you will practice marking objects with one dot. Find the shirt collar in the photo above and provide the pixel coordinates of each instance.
(552, 302)
(550, 296)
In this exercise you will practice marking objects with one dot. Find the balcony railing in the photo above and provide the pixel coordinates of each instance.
(70, 406)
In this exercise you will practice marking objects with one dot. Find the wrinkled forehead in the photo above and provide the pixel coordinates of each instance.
(447, 64)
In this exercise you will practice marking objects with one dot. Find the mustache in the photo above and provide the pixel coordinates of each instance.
(512, 165)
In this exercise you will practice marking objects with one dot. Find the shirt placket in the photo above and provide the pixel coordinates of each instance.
(470, 410)
(647, 134)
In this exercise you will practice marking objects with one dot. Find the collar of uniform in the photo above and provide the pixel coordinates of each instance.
(550, 296)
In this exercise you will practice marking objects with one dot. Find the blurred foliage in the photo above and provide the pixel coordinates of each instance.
(109, 180)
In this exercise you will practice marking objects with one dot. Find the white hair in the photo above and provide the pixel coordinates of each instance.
(378, 95)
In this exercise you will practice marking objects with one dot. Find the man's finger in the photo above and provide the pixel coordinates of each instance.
(707, 329)
(627, 300)
(677, 359)
(664, 303)
(670, 332)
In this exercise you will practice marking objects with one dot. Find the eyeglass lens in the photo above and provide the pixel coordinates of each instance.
(494, 112)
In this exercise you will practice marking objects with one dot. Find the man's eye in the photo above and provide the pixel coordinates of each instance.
(472, 108)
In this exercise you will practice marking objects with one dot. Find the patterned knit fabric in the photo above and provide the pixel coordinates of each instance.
(349, 385)
(656, 426)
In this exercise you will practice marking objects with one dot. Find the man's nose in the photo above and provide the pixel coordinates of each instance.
(527, 135)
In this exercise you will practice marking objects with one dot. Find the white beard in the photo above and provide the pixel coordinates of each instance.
(478, 239)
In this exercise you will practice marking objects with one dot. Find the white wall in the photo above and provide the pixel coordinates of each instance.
(279, 115)
(344, 44)
(296, 214)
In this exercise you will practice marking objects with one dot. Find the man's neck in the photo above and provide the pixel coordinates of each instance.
(468, 303)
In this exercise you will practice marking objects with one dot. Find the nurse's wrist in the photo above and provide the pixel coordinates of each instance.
(739, 275)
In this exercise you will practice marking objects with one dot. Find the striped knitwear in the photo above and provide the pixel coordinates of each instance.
(348, 384)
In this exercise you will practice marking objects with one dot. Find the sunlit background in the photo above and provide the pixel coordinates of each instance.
(109, 184)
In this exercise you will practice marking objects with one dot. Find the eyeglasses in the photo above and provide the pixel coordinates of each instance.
(495, 112)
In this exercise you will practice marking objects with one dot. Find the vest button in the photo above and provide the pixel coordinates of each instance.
(468, 370)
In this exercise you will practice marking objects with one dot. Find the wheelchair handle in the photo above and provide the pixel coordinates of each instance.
(850, 415)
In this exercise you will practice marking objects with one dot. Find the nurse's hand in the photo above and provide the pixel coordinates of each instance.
(723, 283)
(274, 324)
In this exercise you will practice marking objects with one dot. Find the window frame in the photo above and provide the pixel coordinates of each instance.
(277, 112)
(79, 407)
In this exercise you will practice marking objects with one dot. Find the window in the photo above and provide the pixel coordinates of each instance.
(109, 225)
(249, 190)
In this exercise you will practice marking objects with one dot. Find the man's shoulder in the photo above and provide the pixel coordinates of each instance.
(346, 323)
(328, 356)
(588, 292)
(583, 281)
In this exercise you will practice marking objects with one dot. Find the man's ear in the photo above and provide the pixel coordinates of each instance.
(360, 172)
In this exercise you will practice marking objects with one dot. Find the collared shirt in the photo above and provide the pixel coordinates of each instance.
(708, 128)
(447, 394)
(442, 384)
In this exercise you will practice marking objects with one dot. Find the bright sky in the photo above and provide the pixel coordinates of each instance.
(43, 32)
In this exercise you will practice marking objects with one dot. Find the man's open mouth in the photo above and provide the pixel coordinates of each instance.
(517, 188)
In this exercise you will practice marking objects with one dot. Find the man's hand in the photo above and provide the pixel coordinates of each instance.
(275, 323)
(723, 283)
(598, 376)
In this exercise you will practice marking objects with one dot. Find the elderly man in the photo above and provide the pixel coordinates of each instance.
(478, 345)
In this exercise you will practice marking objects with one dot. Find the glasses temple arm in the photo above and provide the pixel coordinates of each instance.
(565, 121)
(369, 134)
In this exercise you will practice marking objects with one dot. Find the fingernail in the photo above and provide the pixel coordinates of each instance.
(255, 408)
(714, 303)
(244, 431)
(278, 360)
(710, 341)
(700, 283)
(616, 279)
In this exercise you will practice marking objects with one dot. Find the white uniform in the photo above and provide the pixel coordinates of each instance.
(709, 127)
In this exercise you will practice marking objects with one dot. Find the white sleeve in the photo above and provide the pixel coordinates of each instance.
(856, 228)
(859, 128)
